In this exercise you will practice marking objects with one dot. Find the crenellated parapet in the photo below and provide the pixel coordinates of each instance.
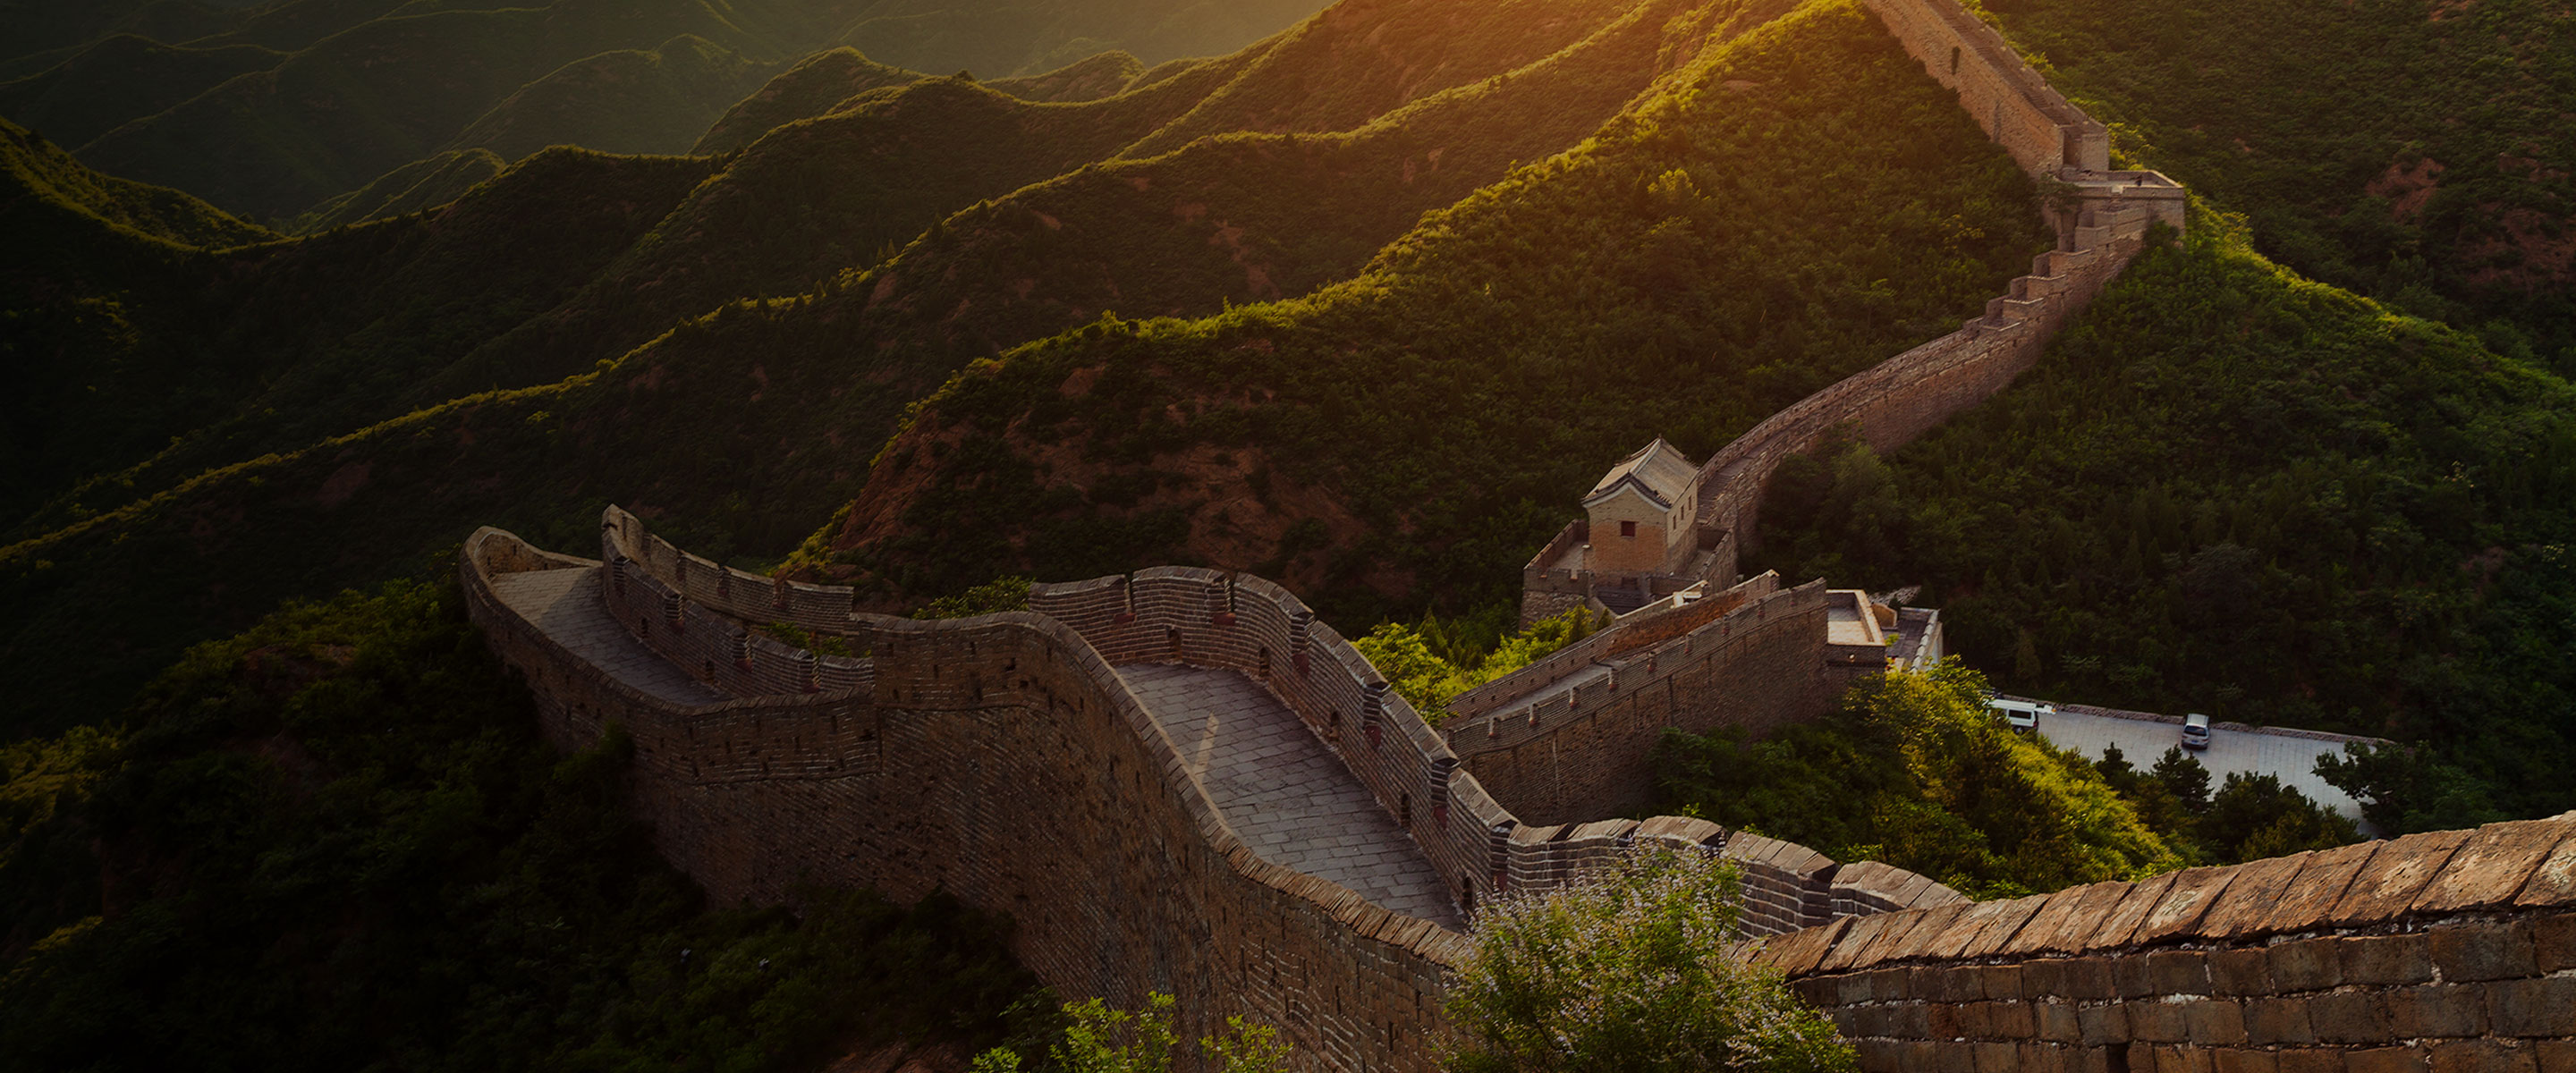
(2444, 950)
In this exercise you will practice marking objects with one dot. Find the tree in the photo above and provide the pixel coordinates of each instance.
(1099, 1039)
(1629, 970)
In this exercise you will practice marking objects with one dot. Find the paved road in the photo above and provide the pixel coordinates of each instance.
(1285, 795)
(2258, 752)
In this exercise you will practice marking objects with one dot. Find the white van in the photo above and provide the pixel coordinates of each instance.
(2195, 731)
(2021, 715)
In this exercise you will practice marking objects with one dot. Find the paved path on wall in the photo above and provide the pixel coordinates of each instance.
(1283, 792)
(2142, 742)
(566, 604)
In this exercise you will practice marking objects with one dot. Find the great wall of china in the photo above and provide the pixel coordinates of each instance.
(1179, 780)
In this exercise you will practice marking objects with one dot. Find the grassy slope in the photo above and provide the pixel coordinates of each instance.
(419, 185)
(245, 361)
(628, 101)
(119, 78)
(667, 256)
(337, 842)
(811, 88)
(749, 425)
(1803, 204)
(2234, 490)
(1091, 78)
(1377, 60)
(42, 26)
(2414, 152)
(393, 90)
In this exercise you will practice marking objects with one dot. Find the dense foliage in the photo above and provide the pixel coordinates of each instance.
(1629, 971)
(1430, 663)
(2414, 151)
(740, 428)
(1099, 1039)
(1795, 204)
(334, 842)
(2235, 491)
(1914, 771)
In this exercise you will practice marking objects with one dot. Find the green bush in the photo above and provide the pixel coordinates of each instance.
(1630, 972)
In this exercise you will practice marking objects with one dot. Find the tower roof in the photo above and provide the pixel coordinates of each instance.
(1657, 470)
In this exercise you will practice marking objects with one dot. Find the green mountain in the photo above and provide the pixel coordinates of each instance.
(754, 422)
(362, 102)
(2414, 152)
(1045, 35)
(816, 85)
(120, 78)
(629, 101)
(418, 186)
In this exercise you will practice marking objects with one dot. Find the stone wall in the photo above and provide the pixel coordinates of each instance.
(2453, 950)
(999, 760)
(2019, 110)
(1561, 755)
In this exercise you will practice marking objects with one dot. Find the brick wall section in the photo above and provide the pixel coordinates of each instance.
(2019, 110)
(1587, 751)
(2453, 950)
(999, 760)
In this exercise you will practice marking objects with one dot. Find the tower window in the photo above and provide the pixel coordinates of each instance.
(1628, 529)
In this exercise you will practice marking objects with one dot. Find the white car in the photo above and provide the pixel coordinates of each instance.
(2021, 715)
(2195, 731)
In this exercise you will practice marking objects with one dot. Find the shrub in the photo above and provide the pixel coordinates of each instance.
(1630, 971)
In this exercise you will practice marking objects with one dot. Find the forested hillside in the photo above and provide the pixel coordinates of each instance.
(272, 109)
(745, 423)
(1406, 438)
(2412, 151)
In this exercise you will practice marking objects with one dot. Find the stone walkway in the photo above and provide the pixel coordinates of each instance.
(1284, 794)
(566, 604)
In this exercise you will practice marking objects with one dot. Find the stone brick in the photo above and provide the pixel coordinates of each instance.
(2241, 910)
(2554, 942)
(2131, 978)
(2483, 1056)
(2544, 1007)
(2484, 951)
(2011, 1020)
(2240, 1060)
(2309, 897)
(2056, 1022)
(2347, 1017)
(2387, 959)
(2556, 1055)
(2438, 1010)
(1891, 985)
(2307, 964)
(2178, 972)
(2279, 1020)
(2071, 978)
(2116, 924)
(1998, 1058)
(2240, 972)
(2312, 1060)
(2387, 1060)
(2046, 931)
(2000, 981)
(2214, 1022)
(2185, 900)
(1850, 988)
(2157, 1022)
(2492, 866)
(2103, 1025)
(2554, 882)
(2384, 888)
(2182, 1060)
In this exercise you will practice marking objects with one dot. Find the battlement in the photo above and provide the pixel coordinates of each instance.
(2453, 949)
